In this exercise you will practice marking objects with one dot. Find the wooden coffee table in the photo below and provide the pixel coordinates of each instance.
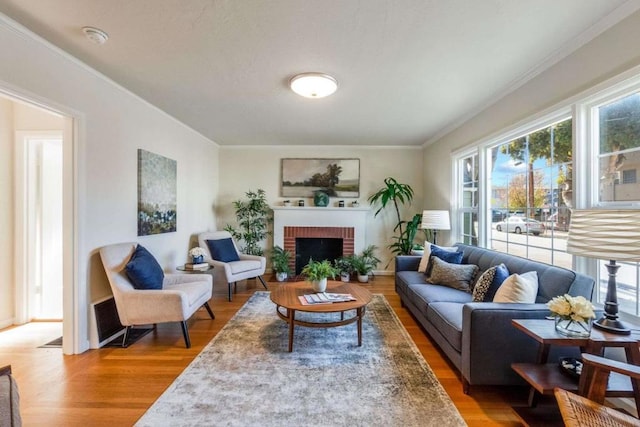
(285, 296)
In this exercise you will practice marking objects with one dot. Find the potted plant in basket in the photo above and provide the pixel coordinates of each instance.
(317, 273)
(280, 263)
(344, 265)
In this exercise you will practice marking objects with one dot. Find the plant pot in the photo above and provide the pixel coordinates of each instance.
(319, 285)
(363, 278)
(345, 277)
(281, 276)
(197, 259)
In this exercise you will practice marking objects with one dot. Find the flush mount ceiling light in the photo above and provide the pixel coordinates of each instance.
(96, 35)
(313, 85)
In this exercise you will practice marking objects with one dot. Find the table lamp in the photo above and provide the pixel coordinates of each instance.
(435, 220)
(612, 235)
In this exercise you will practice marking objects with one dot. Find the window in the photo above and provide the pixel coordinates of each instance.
(619, 149)
(468, 212)
(531, 191)
(617, 143)
(514, 192)
(629, 176)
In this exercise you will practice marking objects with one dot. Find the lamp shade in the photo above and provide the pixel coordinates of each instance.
(605, 234)
(436, 220)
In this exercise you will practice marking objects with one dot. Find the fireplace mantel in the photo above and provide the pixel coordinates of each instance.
(312, 216)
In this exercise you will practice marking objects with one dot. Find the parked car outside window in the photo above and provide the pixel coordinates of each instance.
(519, 224)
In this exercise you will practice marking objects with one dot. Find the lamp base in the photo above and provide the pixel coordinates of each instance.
(613, 326)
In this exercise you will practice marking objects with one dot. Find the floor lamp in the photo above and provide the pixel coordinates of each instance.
(612, 235)
(435, 220)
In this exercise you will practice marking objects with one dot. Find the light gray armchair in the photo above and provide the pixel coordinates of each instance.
(181, 294)
(245, 267)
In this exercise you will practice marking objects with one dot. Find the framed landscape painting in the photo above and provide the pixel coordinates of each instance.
(336, 177)
(157, 194)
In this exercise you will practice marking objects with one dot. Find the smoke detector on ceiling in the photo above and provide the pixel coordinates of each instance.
(96, 35)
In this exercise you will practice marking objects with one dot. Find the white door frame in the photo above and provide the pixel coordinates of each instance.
(75, 320)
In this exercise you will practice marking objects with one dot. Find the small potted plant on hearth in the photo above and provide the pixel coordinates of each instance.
(280, 263)
(317, 273)
(344, 265)
(364, 263)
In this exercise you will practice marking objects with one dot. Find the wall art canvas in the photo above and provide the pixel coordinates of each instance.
(157, 194)
(336, 177)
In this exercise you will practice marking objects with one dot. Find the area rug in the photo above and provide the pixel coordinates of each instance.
(246, 377)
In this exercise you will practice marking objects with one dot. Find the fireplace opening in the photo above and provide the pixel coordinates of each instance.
(317, 248)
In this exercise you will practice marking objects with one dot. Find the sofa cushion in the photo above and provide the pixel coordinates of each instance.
(518, 288)
(447, 318)
(424, 262)
(143, 270)
(424, 294)
(457, 276)
(223, 250)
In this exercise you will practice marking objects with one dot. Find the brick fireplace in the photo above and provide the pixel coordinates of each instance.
(293, 222)
(346, 234)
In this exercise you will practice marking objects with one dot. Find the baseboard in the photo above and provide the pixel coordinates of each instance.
(6, 323)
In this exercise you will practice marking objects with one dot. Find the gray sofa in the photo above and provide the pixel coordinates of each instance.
(478, 337)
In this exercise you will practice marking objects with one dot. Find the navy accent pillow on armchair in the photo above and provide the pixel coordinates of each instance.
(223, 250)
(143, 270)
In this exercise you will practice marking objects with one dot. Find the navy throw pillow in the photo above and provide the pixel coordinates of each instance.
(143, 270)
(447, 256)
(502, 272)
(223, 250)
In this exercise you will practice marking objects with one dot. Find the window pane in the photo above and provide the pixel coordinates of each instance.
(619, 142)
(531, 194)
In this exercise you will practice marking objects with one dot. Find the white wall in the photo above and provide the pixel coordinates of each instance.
(611, 53)
(6, 213)
(112, 125)
(250, 168)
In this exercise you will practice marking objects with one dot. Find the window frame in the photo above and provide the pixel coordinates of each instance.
(582, 108)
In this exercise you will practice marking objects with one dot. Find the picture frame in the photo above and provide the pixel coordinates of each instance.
(336, 177)
(157, 193)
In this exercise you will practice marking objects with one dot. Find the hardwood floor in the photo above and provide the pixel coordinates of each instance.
(115, 386)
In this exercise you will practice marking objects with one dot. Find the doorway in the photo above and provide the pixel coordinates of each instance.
(43, 169)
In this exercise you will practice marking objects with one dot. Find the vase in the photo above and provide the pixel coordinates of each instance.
(197, 259)
(319, 285)
(573, 328)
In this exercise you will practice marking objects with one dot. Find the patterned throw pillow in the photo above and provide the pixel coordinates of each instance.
(457, 276)
(424, 262)
(483, 283)
(485, 287)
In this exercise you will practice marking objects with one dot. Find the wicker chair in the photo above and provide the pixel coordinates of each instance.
(579, 411)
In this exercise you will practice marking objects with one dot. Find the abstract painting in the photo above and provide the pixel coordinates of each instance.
(336, 177)
(157, 194)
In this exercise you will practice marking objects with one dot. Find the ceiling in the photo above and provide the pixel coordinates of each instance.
(407, 70)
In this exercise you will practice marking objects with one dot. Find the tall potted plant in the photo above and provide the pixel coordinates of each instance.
(253, 217)
(317, 273)
(280, 263)
(398, 194)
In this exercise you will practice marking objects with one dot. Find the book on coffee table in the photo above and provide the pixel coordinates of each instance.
(324, 298)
